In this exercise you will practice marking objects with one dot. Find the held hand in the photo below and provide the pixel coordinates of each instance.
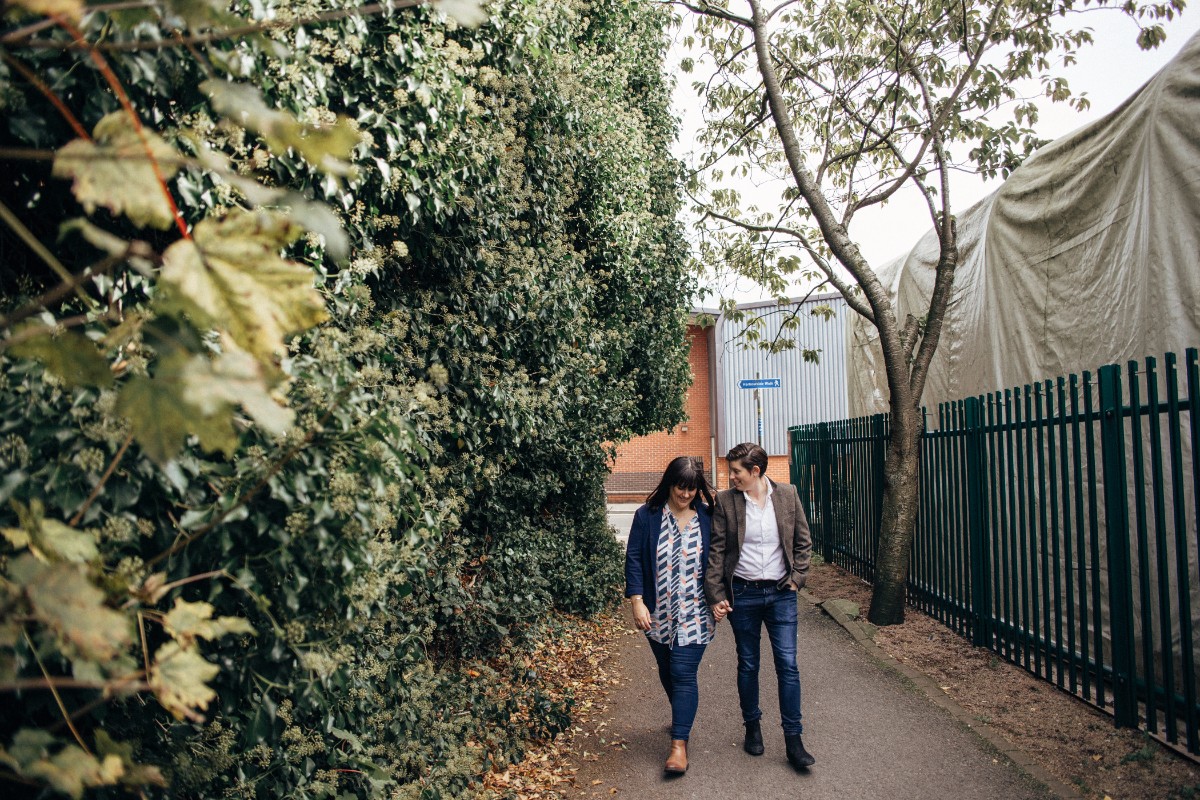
(641, 616)
(721, 610)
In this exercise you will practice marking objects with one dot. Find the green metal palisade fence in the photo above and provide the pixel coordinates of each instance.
(1058, 527)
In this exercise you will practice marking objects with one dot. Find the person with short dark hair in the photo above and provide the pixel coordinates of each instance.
(758, 559)
(665, 561)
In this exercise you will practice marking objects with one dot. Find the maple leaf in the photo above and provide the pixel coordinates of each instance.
(49, 539)
(135, 774)
(234, 378)
(326, 147)
(202, 13)
(179, 679)
(68, 355)
(114, 171)
(468, 13)
(186, 621)
(70, 770)
(52, 8)
(231, 277)
(64, 598)
(161, 419)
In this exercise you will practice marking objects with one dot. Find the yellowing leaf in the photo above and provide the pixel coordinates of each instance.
(202, 13)
(186, 621)
(115, 171)
(153, 588)
(135, 774)
(71, 770)
(232, 277)
(158, 417)
(468, 13)
(64, 542)
(69, 355)
(17, 537)
(326, 147)
(234, 378)
(179, 678)
(49, 539)
(28, 746)
(50, 8)
(65, 600)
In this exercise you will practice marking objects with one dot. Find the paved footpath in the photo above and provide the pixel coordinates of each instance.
(873, 733)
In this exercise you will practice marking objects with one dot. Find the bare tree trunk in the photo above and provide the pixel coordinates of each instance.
(901, 495)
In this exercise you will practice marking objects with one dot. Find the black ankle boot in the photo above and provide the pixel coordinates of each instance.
(754, 742)
(797, 756)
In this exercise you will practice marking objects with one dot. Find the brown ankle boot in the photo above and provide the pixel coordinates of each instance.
(677, 760)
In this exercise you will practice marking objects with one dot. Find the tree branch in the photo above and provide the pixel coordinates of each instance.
(847, 291)
(706, 9)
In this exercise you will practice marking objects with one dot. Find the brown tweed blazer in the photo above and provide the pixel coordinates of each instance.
(729, 532)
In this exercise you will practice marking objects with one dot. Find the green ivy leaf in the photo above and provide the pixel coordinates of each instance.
(231, 277)
(68, 355)
(114, 172)
(179, 678)
(187, 621)
(327, 147)
(64, 598)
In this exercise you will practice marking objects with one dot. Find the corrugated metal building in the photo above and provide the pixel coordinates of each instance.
(725, 408)
(760, 394)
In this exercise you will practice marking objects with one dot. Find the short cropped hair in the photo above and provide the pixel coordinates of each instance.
(748, 454)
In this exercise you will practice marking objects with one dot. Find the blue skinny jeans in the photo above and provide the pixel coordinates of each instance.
(776, 609)
(677, 667)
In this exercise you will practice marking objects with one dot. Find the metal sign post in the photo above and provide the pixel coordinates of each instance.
(756, 383)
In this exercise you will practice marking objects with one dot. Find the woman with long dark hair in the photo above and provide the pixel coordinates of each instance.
(664, 580)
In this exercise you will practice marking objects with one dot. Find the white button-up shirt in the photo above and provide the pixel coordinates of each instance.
(761, 557)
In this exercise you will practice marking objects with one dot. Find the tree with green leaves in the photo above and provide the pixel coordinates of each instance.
(849, 102)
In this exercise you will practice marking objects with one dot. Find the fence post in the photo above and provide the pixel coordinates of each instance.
(977, 520)
(1116, 518)
(825, 459)
(794, 460)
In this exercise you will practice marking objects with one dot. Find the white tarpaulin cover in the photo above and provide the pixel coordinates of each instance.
(1089, 254)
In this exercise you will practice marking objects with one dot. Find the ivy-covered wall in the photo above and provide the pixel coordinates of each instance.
(514, 296)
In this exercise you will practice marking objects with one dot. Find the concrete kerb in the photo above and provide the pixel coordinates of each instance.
(843, 612)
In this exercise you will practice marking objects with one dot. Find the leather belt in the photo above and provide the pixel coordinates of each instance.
(756, 584)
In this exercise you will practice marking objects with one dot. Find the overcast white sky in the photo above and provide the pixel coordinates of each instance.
(1109, 71)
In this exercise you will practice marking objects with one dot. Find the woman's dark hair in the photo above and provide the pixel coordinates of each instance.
(686, 472)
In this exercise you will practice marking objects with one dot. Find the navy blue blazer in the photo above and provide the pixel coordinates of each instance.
(642, 550)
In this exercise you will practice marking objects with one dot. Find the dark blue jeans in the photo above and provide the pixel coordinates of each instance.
(677, 669)
(776, 609)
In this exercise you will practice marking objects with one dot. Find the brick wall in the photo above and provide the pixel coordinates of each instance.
(640, 462)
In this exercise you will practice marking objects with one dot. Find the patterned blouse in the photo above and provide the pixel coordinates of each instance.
(681, 615)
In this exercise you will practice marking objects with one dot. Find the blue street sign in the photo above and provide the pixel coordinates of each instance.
(759, 383)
